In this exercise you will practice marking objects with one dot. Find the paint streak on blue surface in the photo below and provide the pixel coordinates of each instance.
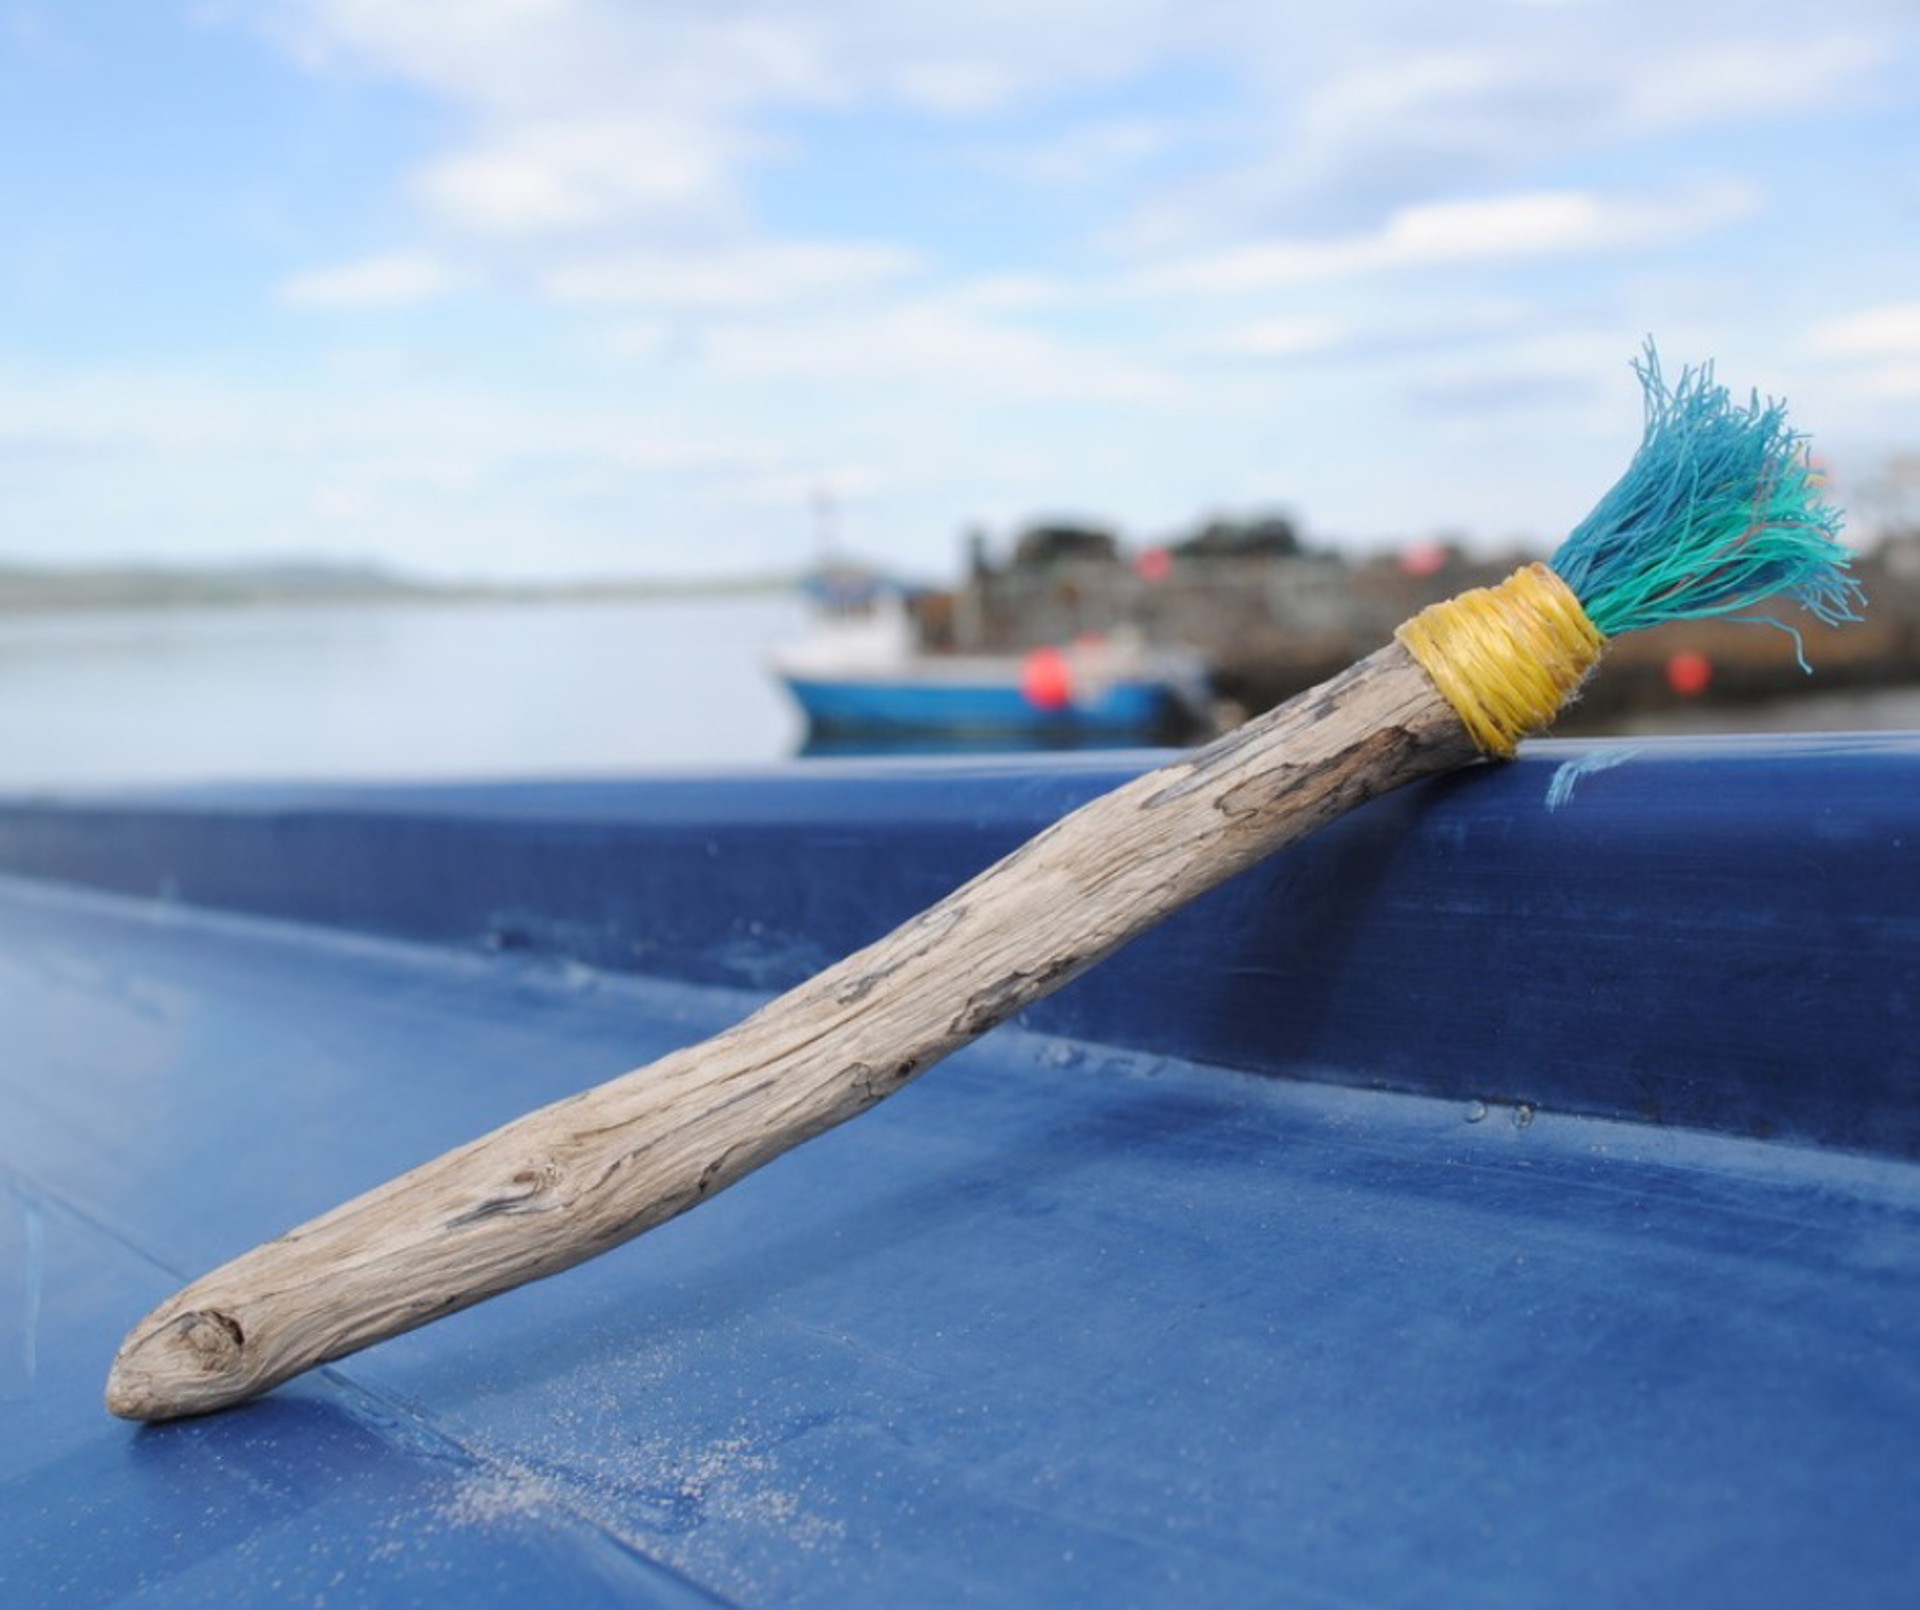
(30, 1217)
(1569, 773)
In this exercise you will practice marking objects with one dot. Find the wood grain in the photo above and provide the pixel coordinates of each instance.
(573, 1179)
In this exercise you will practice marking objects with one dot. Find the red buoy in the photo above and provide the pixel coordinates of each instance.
(1689, 673)
(1423, 559)
(1046, 680)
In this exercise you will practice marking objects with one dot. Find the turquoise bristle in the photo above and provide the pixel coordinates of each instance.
(1719, 510)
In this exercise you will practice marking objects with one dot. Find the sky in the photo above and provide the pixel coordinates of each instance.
(527, 289)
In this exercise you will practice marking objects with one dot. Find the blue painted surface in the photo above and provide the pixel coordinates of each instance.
(1718, 933)
(1082, 1316)
(1118, 708)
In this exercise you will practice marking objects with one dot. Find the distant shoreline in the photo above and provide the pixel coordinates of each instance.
(25, 590)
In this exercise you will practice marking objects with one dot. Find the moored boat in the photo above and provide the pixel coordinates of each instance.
(862, 672)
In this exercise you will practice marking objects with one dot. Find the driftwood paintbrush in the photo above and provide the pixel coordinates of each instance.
(1717, 510)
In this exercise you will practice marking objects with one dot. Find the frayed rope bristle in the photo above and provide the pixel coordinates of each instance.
(1719, 510)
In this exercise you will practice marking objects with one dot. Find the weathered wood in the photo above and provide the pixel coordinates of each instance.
(573, 1179)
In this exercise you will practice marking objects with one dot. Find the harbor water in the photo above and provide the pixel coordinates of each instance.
(473, 690)
(391, 691)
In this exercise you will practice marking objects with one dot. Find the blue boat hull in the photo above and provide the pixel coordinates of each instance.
(1509, 1196)
(1121, 709)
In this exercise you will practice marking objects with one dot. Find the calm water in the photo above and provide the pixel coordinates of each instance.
(464, 691)
(391, 691)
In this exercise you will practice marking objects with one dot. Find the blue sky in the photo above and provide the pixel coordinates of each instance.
(523, 288)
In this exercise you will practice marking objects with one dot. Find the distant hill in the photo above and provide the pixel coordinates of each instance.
(304, 581)
(134, 586)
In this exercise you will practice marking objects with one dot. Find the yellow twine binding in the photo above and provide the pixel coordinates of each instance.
(1507, 657)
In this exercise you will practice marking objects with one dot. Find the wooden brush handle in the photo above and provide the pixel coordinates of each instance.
(573, 1179)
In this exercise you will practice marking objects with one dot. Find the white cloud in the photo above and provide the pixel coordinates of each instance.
(583, 111)
(1745, 79)
(580, 115)
(1894, 382)
(338, 501)
(439, 433)
(1376, 105)
(448, 474)
(1015, 293)
(1275, 338)
(799, 218)
(594, 114)
(1875, 352)
(1878, 332)
(640, 340)
(798, 488)
(499, 54)
(393, 279)
(747, 278)
(933, 344)
(1387, 92)
(1504, 226)
(956, 88)
(566, 174)
(1488, 230)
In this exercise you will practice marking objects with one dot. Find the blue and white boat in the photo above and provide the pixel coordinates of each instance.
(862, 673)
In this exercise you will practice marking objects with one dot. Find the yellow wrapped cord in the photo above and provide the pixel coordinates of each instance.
(1507, 657)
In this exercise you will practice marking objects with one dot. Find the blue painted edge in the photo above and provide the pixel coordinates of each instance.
(1722, 934)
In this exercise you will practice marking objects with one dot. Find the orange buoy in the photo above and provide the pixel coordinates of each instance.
(1423, 559)
(1046, 680)
(1689, 673)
